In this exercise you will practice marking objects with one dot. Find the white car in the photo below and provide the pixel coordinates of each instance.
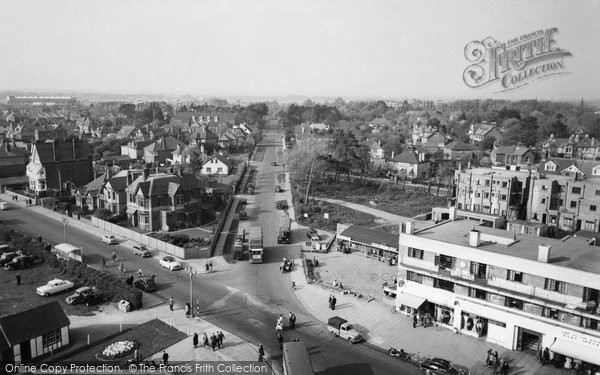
(109, 239)
(54, 286)
(170, 263)
(141, 250)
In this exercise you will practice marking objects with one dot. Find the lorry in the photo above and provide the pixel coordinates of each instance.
(340, 327)
(255, 244)
(284, 229)
(250, 189)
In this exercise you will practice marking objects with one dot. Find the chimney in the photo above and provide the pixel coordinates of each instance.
(145, 174)
(129, 178)
(202, 148)
(392, 154)
(452, 213)
(408, 227)
(474, 238)
(544, 253)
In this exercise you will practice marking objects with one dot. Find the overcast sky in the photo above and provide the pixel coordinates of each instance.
(348, 48)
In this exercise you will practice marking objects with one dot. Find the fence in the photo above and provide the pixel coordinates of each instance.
(180, 252)
(222, 220)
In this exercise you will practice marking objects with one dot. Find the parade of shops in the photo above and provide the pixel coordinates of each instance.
(519, 291)
(380, 245)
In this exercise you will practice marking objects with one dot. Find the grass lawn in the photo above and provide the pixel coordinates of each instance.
(337, 214)
(153, 336)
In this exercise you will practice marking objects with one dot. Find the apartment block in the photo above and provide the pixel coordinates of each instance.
(516, 290)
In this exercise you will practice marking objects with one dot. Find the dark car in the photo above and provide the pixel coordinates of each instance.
(243, 215)
(281, 205)
(146, 284)
(19, 262)
(274, 163)
(86, 295)
(8, 257)
(440, 366)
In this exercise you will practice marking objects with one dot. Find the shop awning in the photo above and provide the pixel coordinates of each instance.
(578, 351)
(131, 210)
(411, 300)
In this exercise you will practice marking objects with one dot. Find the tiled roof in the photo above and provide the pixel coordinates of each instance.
(483, 129)
(25, 325)
(409, 157)
(370, 236)
(220, 158)
(158, 184)
(586, 166)
(461, 146)
(204, 133)
(126, 130)
(50, 152)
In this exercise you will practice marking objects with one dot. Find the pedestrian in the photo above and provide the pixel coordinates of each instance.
(171, 303)
(330, 299)
(546, 356)
(18, 279)
(495, 366)
(261, 352)
(197, 309)
(103, 262)
(218, 339)
(539, 355)
(292, 320)
(333, 302)
(293, 285)
(221, 337)
(415, 321)
(280, 340)
(213, 342)
(165, 358)
(504, 368)
(205, 341)
(211, 266)
(195, 340)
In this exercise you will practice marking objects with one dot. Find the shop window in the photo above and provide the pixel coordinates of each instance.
(477, 293)
(515, 276)
(443, 284)
(513, 303)
(543, 201)
(413, 276)
(568, 222)
(415, 253)
(555, 286)
(445, 261)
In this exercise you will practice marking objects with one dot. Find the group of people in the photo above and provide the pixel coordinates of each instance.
(214, 341)
(424, 319)
(332, 302)
(496, 364)
(291, 320)
(209, 266)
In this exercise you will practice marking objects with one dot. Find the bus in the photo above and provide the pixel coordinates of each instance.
(255, 244)
(296, 360)
(284, 230)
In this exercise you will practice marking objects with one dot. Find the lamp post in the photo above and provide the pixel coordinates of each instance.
(65, 221)
(192, 273)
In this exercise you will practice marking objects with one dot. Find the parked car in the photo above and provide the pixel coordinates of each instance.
(274, 163)
(54, 286)
(243, 215)
(243, 201)
(8, 257)
(312, 234)
(19, 262)
(278, 189)
(250, 189)
(86, 295)
(141, 250)
(170, 263)
(340, 327)
(440, 366)
(109, 239)
(281, 205)
(146, 284)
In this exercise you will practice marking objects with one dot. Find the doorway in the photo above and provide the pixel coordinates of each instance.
(25, 351)
(528, 340)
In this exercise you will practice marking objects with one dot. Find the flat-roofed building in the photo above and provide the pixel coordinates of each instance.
(519, 291)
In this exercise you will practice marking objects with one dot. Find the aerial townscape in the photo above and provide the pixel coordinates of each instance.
(279, 187)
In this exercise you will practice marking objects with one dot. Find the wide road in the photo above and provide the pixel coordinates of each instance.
(244, 300)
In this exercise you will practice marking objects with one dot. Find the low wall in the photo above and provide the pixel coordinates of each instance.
(222, 220)
(179, 252)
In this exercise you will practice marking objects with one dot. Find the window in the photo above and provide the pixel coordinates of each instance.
(487, 182)
(573, 204)
(477, 293)
(51, 338)
(561, 202)
(597, 192)
(502, 197)
(568, 222)
(596, 171)
(592, 207)
(443, 284)
(513, 303)
(413, 276)
(479, 270)
(415, 253)
(515, 276)
(476, 207)
(143, 202)
(543, 201)
(478, 194)
(504, 184)
(576, 190)
(550, 313)
(555, 286)
(208, 170)
(220, 170)
(544, 188)
(550, 167)
(486, 195)
(590, 225)
(445, 261)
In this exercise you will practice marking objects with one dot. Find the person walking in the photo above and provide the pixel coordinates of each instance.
(330, 299)
(292, 320)
(280, 340)
(333, 302)
(221, 337)
(261, 352)
(207, 267)
(546, 356)
(171, 303)
(504, 368)
(18, 279)
(205, 341)
(415, 321)
(213, 342)
(165, 358)
(495, 366)
(103, 263)
(187, 309)
(195, 340)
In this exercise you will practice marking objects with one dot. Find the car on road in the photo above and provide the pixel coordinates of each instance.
(250, 189)
(170, 263)
(278, 189)
(274, 163)
(109, 239)
(243, 215)
(312, 234)
(440, 366)
(54, 286)
(281, 205)
(243, 201)
(141, 250)
(146, 284)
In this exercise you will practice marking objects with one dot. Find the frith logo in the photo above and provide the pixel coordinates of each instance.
(515, 63)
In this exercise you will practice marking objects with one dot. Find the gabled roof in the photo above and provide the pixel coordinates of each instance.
(409, 157)
(204, 133)
(483, 129)
(374, 145)
(50, 152)
(94, 185)
(220, 158)
(461, 146)
(126, 131)
(585, 166)
(167, 143)
(25, 325)
(118, 183)
(158, 184)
